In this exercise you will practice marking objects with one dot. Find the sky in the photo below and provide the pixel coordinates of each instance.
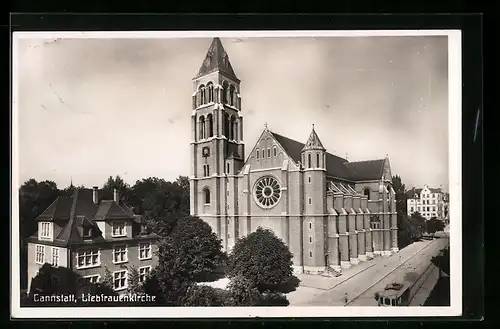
(93, 108)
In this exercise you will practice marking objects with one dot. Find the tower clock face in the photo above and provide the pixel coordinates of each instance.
(206, 151)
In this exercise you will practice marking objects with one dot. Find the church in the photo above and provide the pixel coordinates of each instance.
(330, 212)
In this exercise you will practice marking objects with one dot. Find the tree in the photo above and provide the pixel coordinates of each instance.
(434, 225)
(273, 299)
(34, 198)
(442, 261)
(406, 233)
(199, 249)
(430, 226)
(134, 285)
(401, 199)
(161, 202)
(107, 192)
(142, 191)
(200, 295)
(169, 287)
(68, 191)
(189, 254)
(107, 280)
(261, 261)
(183, 183)
(63, 281)
(242, 292)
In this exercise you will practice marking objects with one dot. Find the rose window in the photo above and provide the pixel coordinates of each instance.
(267, 192)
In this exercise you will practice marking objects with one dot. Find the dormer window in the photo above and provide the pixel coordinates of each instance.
(45, 230)
(118, 229)
(366, 192)
(87, 232)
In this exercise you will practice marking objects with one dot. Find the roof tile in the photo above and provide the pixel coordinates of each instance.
(366, 170)
(216, 59)
(335, 166)
(80, 211)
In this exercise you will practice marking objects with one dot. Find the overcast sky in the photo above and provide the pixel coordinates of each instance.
(91, 108)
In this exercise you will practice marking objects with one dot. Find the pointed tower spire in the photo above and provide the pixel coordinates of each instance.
(216, 60)
(313, 143)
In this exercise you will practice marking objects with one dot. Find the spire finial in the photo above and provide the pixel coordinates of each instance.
(265, 125)
(216, 59)
(71, 181)
(346, 156)
(313, 125)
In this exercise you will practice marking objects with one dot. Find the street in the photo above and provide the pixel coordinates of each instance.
(360, 282)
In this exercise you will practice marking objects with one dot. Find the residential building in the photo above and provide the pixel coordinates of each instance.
(429, 202)
(87, 235)
(331, 213)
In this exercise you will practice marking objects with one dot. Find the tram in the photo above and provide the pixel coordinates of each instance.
(394, 294)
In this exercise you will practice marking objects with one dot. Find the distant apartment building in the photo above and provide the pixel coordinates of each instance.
(87, 235)
(429, 202)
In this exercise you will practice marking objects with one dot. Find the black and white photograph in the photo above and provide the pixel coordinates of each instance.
(225, 174)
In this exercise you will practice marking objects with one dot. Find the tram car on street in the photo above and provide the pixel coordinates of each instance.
(394, 294)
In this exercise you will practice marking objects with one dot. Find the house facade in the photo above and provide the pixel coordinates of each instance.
(429, 202)
(331, 213)
(88, 235)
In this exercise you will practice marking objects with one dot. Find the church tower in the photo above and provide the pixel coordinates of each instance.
(217, 149)
(314, 182)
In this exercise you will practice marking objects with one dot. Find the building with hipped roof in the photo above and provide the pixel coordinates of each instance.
(429, 202)
(87, 235)
(331, 213)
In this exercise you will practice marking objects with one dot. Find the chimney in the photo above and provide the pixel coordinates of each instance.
(95, 197)
(116, 196)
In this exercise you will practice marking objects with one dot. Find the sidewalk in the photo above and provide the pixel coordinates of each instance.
(425, 290)
(321, 291)
(327, 283)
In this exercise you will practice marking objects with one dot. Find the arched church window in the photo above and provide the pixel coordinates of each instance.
(210, 125)
(317, 160)
(231, 128)
(267, 192)
(274, 151)
(235, 129)
(309, 161)
(225, 88)
(202, 127)
(207, 196)
(231, 95)
(210, 88)
(226, 124)
(263, 153)
(228, 168)
(366, 192)
(268, 152)
(257, 153)
(206, 170)
(201, 90)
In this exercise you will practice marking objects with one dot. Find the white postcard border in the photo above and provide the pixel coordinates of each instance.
(455, 190)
